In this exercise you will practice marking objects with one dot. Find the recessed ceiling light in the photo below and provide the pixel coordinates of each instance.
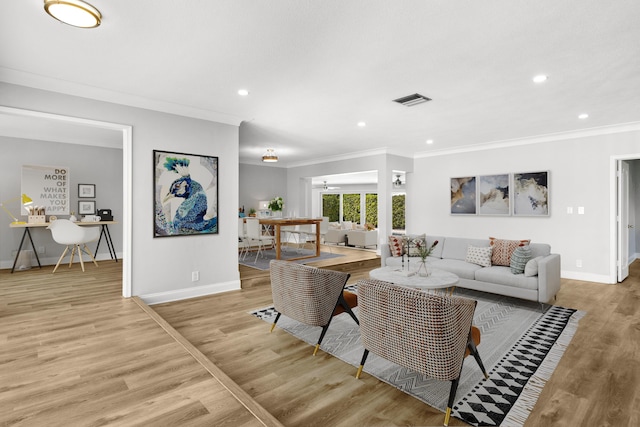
(243, 92)
(583, 116)
(540, 78)
(429, 141)
(362, 124)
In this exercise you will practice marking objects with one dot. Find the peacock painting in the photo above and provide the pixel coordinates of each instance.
(186, 194)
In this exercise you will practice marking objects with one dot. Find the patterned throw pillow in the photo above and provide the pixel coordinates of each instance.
(502, 250)
(479, 255)
(395, 245)
(414, 240)
(519, 259)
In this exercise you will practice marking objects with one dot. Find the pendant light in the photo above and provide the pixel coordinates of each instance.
(270, 156)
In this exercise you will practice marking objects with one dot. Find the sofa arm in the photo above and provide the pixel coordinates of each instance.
(548, 277)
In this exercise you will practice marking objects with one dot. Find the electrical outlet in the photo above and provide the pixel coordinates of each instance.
(195, 276)
(579, 263)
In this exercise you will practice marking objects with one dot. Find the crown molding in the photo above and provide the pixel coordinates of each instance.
(36, 81)
(550, 137)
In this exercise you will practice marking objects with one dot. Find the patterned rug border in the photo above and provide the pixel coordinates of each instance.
(481, 405)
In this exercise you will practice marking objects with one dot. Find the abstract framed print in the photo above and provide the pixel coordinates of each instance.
(463, 195)
(531, 194)
(494, 195)
(185, 194)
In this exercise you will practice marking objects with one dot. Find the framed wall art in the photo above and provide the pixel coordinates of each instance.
(47, 186)
(531, 194)
(86, 191)
(463, 195)
(493, 195)
(86, 207)
(185, 194)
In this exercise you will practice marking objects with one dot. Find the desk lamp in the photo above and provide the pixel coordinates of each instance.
(26, 200)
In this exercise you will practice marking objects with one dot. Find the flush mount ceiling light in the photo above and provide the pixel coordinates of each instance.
(270, 156)
(397, 183)
(243, 92)
(74, 12)
(583, 116)
(540, 78)
(429, 141)
(361, 124)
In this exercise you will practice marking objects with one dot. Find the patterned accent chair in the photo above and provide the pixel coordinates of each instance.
(428, 333)
(308, 294)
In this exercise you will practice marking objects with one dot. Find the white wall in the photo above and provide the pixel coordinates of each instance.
(81, 161)
(261, 183)
(580, 175)
(161, 267)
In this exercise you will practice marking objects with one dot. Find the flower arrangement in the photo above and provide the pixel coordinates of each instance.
(422, 249)
(276, 204)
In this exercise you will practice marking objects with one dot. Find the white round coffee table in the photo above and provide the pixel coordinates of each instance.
(437, 279)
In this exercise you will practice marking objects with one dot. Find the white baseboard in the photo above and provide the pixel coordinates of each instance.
(193, 292)
(586, 277)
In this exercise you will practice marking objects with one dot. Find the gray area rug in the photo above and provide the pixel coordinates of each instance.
(266, 256)
(521, 345)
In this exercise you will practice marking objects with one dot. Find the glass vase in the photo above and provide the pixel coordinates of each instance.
(423, 270)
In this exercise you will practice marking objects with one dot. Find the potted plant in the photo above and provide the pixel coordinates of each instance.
(276, 205)
(252, 212)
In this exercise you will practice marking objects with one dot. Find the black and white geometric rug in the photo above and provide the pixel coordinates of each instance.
(522, 343)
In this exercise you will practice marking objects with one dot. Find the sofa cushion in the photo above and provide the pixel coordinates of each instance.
(412, 241)
(479, 255)
(531, 268)
(463, 269)
(519, 258)
(540, 249)
(502, 276)
(395, 245)
(502, 250)
(456, 247)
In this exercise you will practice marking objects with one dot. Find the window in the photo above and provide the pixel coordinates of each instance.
(331, 206)
(397, 212)
(351, 207)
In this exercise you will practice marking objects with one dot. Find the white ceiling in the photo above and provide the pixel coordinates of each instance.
(316, 68)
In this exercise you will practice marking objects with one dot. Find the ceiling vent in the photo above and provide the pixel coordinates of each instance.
(411, 100)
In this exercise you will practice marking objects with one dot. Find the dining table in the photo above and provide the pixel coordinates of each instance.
(277, 223)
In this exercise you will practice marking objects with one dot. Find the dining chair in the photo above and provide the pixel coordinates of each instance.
(72, 235)
(243, 242)
(254, 235)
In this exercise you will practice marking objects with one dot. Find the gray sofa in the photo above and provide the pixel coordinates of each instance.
(450, 255)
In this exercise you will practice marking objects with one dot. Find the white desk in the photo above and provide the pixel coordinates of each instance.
(27, 226)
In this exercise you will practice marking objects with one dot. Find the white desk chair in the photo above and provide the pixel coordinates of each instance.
(67, 233)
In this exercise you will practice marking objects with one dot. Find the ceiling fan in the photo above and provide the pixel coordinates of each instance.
(325, 187)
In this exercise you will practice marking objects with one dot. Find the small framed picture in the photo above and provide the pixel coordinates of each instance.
(86, 191)
(86, 207)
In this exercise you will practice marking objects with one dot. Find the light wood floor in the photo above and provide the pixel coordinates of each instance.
(73, 352)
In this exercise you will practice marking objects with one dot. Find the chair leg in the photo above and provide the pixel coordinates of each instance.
(324, 331)
(60, 260)
(88, 252)
(476, 355)
(364, 359)
(274, 322)
(80, 256)
(452, 397)
(73, 252)
(343, 303)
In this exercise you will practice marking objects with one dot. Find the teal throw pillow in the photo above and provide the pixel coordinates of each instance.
(519, 258)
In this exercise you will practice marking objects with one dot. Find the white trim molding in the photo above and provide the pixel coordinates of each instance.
(193, 292)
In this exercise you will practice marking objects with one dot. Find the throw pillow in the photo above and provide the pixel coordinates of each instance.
(411, 242)
(479, 255)
(502, 250)
(531, 269)
(395, 245)
(519, 258)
